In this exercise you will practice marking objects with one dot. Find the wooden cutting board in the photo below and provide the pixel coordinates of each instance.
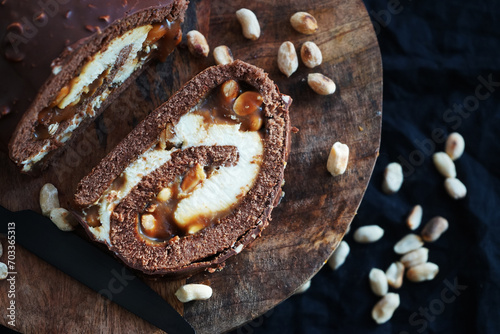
(306, 226)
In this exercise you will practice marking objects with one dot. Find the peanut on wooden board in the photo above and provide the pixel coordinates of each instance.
(3, 271)
(49, 199)
(321, 84)
(368, 234)
(384, 309)
(190, 292)
(197, 44)
(311, 54)
(249, 23)
(287, 58)
(223, 55)
(304, 23)
(63, 219)
(338, 159)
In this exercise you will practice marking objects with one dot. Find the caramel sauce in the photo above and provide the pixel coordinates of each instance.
(165, 226)
(118, 183)
(54, 115)
(92, 216)
(218, 107)
(168, 35)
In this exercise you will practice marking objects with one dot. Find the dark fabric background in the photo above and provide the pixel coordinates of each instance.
(438, 57)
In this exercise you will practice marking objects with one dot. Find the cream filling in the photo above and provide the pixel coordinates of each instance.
(100, 62)
(105, 59)
(218, 193)
(223, 189)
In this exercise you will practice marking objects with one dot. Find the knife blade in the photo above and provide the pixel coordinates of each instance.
(92, 267)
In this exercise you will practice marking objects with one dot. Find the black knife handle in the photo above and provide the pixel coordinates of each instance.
(93, 267)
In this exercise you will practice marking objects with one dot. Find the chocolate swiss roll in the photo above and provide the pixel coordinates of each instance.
(63, 62)
(197, 179)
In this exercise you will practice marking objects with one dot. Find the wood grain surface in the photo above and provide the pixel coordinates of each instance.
(311, 219)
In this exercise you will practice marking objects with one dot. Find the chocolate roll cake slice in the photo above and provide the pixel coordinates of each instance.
(64, 62)
(197, 180)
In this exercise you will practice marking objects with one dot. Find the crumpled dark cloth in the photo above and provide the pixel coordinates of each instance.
(441, 68)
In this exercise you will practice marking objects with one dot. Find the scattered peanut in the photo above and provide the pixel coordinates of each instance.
(49, 198)
(434, 228)
(339, 255)
(287, 58)
(303, 288)
(338, 159)
(249, 23)
(369, 233)
(455, 145)
(384, 309)
(63, 219)
(393, 178)
(304, 23)
(395, 274)
(197, 44)
(311, 54)
(223, 55)
(348, 229)
(3, 271)
(415, 217)
(455, 188)
(378, 282)
(444, 164)
(416, 257)
(408, 243)
(321, 84)
(189, 292)
(422, 272)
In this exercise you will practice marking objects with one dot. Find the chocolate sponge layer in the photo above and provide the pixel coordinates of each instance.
(46, 43)
(211, 246)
